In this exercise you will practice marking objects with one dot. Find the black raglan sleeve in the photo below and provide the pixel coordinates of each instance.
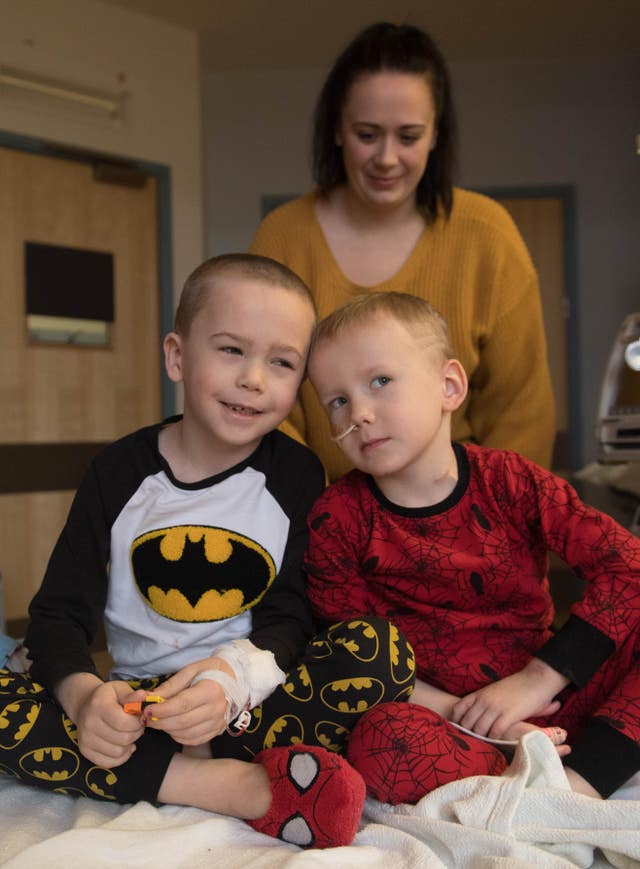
(67, 611)
(282, 621)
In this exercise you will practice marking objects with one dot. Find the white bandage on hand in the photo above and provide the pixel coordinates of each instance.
(256, 671)
(234, 694)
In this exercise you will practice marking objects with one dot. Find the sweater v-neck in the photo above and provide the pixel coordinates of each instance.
(390, 283)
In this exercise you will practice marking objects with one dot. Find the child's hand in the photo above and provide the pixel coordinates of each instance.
(443, 703)
(191, 715)
(106, 734)
(557, 735)
(493, 710)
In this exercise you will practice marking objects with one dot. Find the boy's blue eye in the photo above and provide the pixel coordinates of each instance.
(231, 350)
(335, 403)
(380, 381)
(284, 363)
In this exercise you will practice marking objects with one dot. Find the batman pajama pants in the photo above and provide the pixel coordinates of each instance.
(344, 671)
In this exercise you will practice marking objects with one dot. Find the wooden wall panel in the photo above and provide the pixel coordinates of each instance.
(541, 222)
(61, 394)
(29, 526)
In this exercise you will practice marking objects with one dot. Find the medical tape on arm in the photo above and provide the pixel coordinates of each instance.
(257, 675)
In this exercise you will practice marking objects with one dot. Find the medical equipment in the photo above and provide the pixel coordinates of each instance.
(618, 425)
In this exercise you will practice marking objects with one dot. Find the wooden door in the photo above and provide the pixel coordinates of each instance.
(541, 223)
(59, 404)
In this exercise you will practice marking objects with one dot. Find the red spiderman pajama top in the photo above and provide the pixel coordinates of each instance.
(466, 581)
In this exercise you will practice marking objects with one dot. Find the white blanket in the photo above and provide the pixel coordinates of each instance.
(528, 817)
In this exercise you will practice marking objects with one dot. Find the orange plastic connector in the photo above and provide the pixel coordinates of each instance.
(137, 706)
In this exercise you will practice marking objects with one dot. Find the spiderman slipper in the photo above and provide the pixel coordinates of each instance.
(404, 751)
(317, 798)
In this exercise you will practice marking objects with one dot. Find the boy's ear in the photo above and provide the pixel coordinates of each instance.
(455, 385)
(172, 347)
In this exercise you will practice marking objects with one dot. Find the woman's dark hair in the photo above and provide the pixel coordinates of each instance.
(385, 47)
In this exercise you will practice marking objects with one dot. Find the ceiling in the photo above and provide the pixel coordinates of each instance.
(277, 34)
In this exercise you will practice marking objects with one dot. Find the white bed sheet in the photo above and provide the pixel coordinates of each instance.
(527, 818)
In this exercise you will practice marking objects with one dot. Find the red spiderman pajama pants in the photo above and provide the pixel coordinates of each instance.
(602, 720)
(403, 751)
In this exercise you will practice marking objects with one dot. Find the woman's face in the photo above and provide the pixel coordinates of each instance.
(386, 130)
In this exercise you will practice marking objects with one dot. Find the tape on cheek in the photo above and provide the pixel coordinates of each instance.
(343, 434)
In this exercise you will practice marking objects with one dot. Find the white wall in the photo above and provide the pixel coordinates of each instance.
(256, 136)
(536, 123)
(568, 122)
(96, 45)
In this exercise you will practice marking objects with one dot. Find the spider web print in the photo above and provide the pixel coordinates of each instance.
(447, 581)
(403, 752)
(467, 585)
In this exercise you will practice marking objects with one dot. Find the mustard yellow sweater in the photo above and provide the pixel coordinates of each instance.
(476, 270)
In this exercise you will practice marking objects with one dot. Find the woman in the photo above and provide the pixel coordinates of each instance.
(385, 216)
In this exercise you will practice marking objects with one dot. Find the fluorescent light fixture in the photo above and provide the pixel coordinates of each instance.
(110, 103)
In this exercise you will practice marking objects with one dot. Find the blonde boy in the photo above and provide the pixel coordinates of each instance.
(450, 542)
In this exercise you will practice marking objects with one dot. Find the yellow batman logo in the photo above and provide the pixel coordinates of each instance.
(71, 729)
(50, 764)
(352, 695)
(330, 735)
(16, 720)
(298, 685)
(286, 730)
(192, 573)
(403, 665)
(362, 642)
(101, 781)
(17, 684)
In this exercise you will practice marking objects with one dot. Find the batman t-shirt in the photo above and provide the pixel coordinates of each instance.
(177, 569)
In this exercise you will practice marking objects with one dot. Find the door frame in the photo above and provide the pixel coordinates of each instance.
(162, 175)
(567, 193)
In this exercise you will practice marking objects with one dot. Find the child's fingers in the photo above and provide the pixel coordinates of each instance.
(199, 734)
(557, 735)
(132, 696)
(205, 703)
(550, 709)
(461, 708)
(105, 754)
(174, 684)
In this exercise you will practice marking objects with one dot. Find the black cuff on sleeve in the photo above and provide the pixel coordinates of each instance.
(604, 756)
(577, 650)
(286, 646)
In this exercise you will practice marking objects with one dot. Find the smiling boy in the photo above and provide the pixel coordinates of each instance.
(187, 537)
(255, 329)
